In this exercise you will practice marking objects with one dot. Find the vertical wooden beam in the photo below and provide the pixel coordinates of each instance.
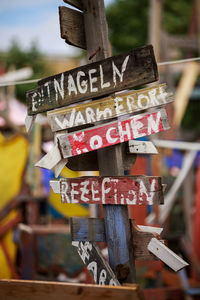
(155, 26)
(118, 233)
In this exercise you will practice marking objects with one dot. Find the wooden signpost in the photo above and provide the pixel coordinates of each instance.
(83, 141)
(101, 78)
(124, 190)
(107, 108)
(94, 80)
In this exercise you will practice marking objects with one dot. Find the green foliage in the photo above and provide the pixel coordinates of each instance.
(128, 21)
(18, 58)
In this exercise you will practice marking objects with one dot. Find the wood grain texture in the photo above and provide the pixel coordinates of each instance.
(75, 3)
(136, 67)
(117, 190)
(96, 264)
(107, 108)
(72, 27)
(37, 290)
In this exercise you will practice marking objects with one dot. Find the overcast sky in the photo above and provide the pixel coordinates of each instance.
(28, 20)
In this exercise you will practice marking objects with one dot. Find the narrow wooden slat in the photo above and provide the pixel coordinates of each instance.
(37, 290)
(107, 108)
(96, 263)
(123, 190)
(72, 27)
(136, 67)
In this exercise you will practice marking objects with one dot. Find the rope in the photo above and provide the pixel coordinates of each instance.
(172, 62)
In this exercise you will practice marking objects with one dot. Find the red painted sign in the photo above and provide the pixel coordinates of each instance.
(113, 133)
(122, 190)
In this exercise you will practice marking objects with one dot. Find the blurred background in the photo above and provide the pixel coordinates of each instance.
(34, 227)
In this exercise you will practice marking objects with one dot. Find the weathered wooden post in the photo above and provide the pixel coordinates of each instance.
(118, 233)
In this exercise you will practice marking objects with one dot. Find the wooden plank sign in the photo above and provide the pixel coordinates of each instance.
(123, 190)
(97, 79)
(107, 108)
(102, 136)
(96, 264)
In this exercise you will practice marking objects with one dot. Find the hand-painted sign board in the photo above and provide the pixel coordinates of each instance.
(97, 79)
(123, 190)
(72, 144)
(107, 108)
(96, 264)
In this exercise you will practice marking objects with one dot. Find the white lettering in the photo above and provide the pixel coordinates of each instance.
(106, 84)
(73, 192)
(79, 119)
(141, 103)
(134, 198)
(118, 107)
(153, 98)
(71, 85)
(105, 188)
(106, 113)
(123, 133)
(59, 87)
(135, 126)
(110, 139)
(102, 277)
(48, 89)
(34, 102)
(93, 267)
(64, 192)
(83, 250)
(153, 125)
(92, 80)
(65, 122)
(130, 103)
(84, 190)
(90, 115)
(117, 72)
(82, 86)
(93, 185)
(96, 142)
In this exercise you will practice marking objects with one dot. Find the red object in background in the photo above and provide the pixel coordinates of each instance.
(139, 212)
(196, 222)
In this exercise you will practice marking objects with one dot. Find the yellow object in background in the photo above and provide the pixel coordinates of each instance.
(5, 272)
(13, 156)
